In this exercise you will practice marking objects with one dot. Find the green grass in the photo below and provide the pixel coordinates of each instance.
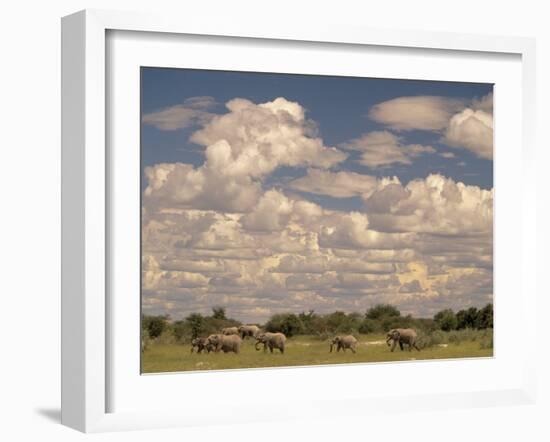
(301, 350)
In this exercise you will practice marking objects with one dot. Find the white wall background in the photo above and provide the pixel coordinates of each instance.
(30, 216)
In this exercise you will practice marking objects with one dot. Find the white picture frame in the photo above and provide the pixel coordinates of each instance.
(87, 207)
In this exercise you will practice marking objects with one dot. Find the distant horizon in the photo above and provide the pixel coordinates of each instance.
(269, 193)
(229, 317)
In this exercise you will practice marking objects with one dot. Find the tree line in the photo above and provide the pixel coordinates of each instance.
(377, 319)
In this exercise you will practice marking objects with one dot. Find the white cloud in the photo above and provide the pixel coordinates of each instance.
(271, 213)
(472, 130)
(335, 184)
(382, 149)
(258, 138)
(192, 111)
(421, 112)
(464, 125)
(242, 148)
(218, 235)
(432, 205)
(447, 155)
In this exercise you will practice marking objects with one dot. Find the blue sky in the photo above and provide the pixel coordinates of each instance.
(339, 105)
(269, 193)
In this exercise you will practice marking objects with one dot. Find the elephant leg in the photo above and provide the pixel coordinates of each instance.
(401, 345)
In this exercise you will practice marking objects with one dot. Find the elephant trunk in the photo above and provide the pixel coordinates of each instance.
(331, 345)
(256, 346)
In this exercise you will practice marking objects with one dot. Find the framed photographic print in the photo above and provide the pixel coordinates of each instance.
(317, 216)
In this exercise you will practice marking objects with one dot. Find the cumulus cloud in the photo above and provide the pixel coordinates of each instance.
(383, 149)
(463, 125)
(221, 234)
(420, 112)
(243, 146)
(435, 204)
(472, 130)
(335, 184)
(192, 111)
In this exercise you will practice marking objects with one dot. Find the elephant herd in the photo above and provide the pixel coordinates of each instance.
(230, 340)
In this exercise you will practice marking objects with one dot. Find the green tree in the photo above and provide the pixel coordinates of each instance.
(287, 323)
(196, 323)
(218, 313)
(154, 325)
(484, 317)
(446, 320)
(466, 318)
(380, 311)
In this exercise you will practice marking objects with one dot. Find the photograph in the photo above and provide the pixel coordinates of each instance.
(303, 220)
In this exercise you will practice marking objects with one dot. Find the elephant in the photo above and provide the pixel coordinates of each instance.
(249, 330)
(402, 336)
(271, 341)
(225, 343)
(230, 331)
(344, 343)
(201, 344)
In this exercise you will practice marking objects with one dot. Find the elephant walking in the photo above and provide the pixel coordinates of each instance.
(199, 344)
(230, 331)
(249, 331)
(225, 343)
(402, 336)
(271, 341)
(344, 343)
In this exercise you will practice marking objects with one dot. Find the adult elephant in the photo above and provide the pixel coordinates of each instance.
(225, 343)
(402, 336)
(344, 343)
(249, 331)
(271, 341)
(230, 331)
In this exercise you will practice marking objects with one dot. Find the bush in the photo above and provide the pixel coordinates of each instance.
(380, 311)
(484, 317)
(369, 326)
(446, 320)
(287, 323)
(466, 318)
(155, 325)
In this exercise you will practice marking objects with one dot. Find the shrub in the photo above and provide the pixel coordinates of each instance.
(287, 323)
(446, 320)
(466, 318)
(155, 325)
(484, 317)
(382, 311)
(369, 326)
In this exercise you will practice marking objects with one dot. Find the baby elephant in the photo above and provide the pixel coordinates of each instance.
(199, 344)
(402, 336)
(344, 343)
(225, 343)
(271, 341)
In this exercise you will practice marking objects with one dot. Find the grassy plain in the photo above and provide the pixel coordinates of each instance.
(300, 350)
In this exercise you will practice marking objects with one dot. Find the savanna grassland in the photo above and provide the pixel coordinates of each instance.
(310, 350)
